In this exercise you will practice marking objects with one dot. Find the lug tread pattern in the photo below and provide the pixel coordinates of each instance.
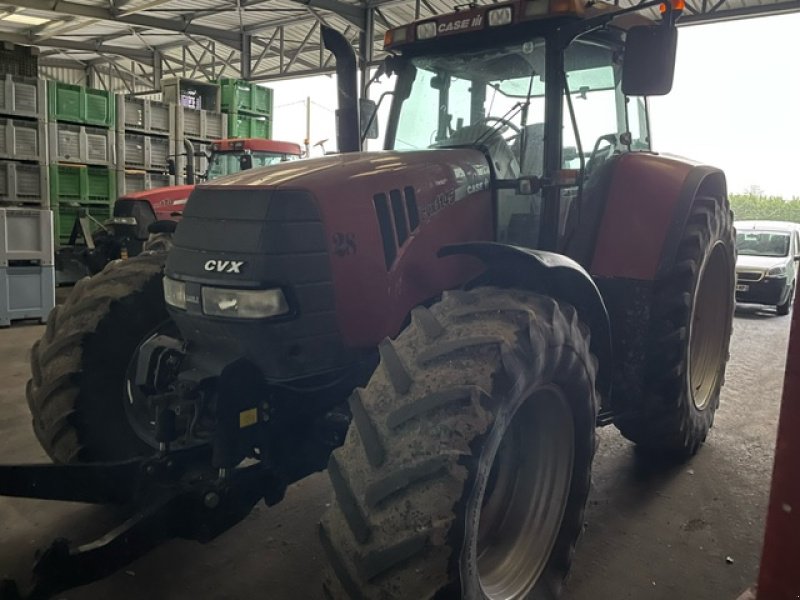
(668, 422)
(431, 402)
(66, 361)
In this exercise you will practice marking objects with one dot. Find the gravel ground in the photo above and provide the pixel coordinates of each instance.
(691, 532)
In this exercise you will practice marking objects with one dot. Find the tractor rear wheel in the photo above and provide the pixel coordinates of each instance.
(692, 319)
(466, 471)
(77, 391)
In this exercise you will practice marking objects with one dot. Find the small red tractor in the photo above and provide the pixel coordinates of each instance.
(442, 325)
(148, 215)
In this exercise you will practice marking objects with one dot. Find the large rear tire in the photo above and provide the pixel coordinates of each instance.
(466, 472)
(77, 391)
(692, 319)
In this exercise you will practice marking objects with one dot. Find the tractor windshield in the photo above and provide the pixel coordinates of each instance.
(485, 97)
(227, 163)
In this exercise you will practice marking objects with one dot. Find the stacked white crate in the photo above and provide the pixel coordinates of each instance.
(27, 277)
(144, 129)
(201, 128)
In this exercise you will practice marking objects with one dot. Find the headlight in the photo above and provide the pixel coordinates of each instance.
(426, 31)
(244, 304)
(777, 272)
(499, 16)
(175, 293)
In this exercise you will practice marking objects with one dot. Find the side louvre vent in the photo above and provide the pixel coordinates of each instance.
(411, 206)
(397, 221)
(387, 232)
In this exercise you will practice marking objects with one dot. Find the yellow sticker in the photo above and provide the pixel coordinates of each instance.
(248, 417)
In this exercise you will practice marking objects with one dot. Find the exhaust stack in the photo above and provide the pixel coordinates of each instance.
(348, 128)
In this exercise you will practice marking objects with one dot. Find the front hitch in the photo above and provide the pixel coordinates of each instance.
(171, 496)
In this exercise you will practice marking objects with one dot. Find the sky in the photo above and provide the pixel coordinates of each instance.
(735, 104)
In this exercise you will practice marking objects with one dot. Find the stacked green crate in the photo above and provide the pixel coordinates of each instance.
(82, 155)
(249, 108)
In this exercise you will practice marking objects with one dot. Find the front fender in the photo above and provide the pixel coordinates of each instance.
(548, 273)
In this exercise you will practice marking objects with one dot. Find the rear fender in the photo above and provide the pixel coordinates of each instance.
(554, 275)
(648, 202)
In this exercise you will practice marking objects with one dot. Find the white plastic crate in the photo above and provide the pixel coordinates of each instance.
(199, 124)
(130, 182)
(22, 183)
(81, 144)
(23, 140)
(141, 151)
(26, 234)
(144, 116)
(26, 292)
(23, 97)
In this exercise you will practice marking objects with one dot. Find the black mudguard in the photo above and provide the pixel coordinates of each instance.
(547, 273)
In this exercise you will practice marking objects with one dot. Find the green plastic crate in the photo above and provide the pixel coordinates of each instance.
(101, 185)
(64, 102)
(99, 108)
(248, 126)
(77, 104)
(262, 100)
(64, 218)
(245, 97)
(67, 184)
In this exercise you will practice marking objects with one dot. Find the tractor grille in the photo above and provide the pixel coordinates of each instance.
(749, 275)
(281, 239)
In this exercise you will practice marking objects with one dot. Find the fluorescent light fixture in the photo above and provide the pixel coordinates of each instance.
(25, 19)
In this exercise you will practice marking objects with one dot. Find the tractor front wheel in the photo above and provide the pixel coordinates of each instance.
(466, 472)
(691, 317)
(77, 392)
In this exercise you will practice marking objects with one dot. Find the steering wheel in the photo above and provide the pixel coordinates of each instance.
(506, 124)
(595, 158)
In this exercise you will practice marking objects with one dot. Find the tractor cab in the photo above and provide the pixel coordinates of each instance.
(550, 92)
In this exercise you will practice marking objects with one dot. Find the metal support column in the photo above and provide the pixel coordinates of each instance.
(366, 50)
(157, 70)
(245, 57)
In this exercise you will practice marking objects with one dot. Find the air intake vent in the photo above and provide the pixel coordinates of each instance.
(398, 221)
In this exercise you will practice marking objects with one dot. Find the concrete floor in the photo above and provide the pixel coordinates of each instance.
(651, 533)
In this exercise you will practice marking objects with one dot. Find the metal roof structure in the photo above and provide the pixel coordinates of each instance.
(129, 45)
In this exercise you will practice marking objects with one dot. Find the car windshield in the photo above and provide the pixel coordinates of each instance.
(762, 243)
(227, 163)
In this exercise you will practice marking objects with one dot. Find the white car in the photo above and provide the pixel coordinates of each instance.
(766, 267)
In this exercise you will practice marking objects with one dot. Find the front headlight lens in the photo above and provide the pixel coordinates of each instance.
(500, 16)
(777, 271)
(175, 293)
(426, 31)
(244, 304)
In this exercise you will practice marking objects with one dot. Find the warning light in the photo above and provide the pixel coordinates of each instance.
(676, 5)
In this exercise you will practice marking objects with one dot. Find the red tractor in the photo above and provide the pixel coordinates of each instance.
(140, 215)
(442, 325)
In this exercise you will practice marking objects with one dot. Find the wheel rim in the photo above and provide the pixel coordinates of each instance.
(709, 326)
(525, 497)
(140, 416)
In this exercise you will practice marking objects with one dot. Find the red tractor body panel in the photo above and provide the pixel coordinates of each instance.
(379, 277)
(165, 201)
(641, 207)
(256, 145)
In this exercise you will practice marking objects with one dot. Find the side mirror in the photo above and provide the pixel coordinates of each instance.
(171, 166)
(369, 119)
(246, 162)
(649, 62)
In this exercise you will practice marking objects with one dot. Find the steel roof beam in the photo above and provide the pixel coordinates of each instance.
(229, 38)
(144, 56)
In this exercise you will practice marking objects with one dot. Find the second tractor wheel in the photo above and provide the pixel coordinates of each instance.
(467, 467)
(691, 317)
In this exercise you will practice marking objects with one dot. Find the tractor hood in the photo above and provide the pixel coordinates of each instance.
(351, 240)
(350, 169)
